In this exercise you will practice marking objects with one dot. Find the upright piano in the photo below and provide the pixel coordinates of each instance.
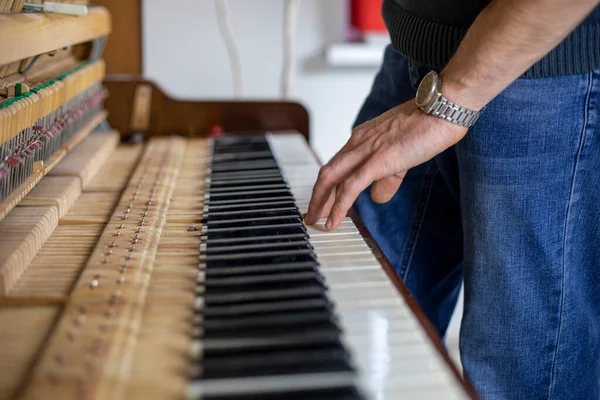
(154, 257)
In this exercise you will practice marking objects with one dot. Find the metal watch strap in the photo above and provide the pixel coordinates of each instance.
(445, 109)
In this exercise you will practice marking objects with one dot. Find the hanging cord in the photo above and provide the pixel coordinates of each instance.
(232, 50)
(289, 42)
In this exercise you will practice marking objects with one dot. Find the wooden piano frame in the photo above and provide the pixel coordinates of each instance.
(136, 105)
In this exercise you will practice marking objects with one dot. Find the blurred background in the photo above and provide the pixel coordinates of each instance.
(335, 49)
(184, 52)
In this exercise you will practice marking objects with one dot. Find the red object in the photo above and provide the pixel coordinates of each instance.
(365, 16)
(216, 131)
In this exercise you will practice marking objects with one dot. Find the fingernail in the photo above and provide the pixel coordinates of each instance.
(328, 224)
(306, 218)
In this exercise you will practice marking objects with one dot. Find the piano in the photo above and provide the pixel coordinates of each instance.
(148, 259)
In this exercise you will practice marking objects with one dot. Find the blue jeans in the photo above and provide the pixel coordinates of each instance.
(514, 210)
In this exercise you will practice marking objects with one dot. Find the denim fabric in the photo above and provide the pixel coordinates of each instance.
(514, 208)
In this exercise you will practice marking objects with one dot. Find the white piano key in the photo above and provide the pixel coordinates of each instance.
(355, 256)
(341, 266)
(394, 323)
(337, 247)
(339, 231)
(344, 296)
(334, 237)
(325, 243)
(452, 392)
(333, 277)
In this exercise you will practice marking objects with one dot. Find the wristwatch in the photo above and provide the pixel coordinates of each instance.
(429, 99)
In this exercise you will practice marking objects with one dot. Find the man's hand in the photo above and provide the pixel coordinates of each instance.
(380, 151)
(507, 38)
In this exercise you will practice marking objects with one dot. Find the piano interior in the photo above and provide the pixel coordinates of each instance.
(144, 258)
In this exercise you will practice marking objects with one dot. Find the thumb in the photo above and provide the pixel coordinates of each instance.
(384, 189)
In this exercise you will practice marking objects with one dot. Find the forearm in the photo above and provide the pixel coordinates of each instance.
(507, 38)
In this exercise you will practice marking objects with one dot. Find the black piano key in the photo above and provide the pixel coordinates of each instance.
(216, 346)
(244, 187)
(230, 144)
(266, 308)
(254, 181)
(242, 232)
(243, 155)
(271, 169)
(248, 163)
(267, 282)
(249, 201)
(240, 148)
(248, 222)
(238, 140)
(255, 205)
(237, 175)
(346, 393)
(258, 258)
(303, 361)
(256, 275)
(250, 157)
(307, 291)
(257, 239)
(250, 195)
(262, 332)
(259, 213)
(243, 166)
(254, 247)
(254, 270)
(274, 321)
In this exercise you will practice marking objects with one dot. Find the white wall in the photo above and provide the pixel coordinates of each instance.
(184, 53)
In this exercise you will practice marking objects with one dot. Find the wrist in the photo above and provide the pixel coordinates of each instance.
(432, 98)
(463, 91)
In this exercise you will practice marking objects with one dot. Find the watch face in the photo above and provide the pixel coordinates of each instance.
(426, 89)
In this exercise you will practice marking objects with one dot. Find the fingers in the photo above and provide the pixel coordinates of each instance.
(327, 208)
(384, 189)
(348, 191)
(329, 176)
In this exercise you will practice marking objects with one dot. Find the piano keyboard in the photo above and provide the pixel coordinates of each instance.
(289, 311)
(393, 356)
(205, 283)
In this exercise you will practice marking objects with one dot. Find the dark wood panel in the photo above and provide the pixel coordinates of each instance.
(168, 116)
(123, 53)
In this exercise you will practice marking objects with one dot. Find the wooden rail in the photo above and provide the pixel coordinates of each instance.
(23, 35)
